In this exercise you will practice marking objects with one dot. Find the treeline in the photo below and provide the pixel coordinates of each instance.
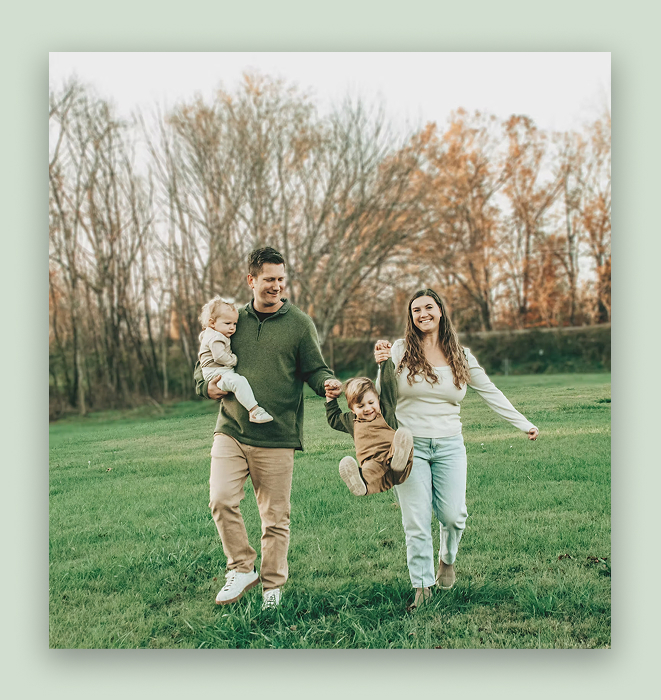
(529, 351)
(149, 219)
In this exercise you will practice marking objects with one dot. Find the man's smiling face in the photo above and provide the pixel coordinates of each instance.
(268, 287)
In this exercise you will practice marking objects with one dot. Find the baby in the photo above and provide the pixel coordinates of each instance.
(218, 318)
(385, 453)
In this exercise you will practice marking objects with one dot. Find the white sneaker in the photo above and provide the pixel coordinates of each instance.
(237, 584)
(271, 599)
(402, 446)
(259, 415)
(351, 476)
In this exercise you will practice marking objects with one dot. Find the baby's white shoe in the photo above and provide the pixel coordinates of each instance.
(259, 415)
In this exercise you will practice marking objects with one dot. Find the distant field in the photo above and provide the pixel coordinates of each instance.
(135, 560)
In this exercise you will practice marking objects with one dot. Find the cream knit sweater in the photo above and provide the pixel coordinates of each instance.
(432, 410)
(215, 350)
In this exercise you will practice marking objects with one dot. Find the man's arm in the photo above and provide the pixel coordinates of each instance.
(313, 368)
(207, 389)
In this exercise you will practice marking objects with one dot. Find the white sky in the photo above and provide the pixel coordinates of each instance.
(559, 91)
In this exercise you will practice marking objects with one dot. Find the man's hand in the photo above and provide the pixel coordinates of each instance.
(381, 351)
(213, 392)
(533, 433)
(333, 388)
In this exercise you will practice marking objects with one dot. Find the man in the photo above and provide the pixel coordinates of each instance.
(278, 350)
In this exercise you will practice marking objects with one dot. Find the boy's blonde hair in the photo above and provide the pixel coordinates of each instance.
(213, 308)
(356, 388)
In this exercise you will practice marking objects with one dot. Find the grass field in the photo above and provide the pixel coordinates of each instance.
(135, 560)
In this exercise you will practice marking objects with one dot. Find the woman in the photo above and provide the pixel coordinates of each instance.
(432, 371)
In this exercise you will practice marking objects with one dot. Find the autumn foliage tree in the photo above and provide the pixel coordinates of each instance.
(464, 172)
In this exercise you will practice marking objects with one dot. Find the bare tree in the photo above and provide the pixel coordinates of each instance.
(361, 204)
(258, 168)
(100, 219)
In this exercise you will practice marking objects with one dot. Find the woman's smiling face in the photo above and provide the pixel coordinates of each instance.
(425, 314)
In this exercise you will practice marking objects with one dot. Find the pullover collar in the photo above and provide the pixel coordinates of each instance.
(282, 310)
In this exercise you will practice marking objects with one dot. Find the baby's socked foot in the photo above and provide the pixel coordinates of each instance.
(402, 445)
(259, 415)
(351, 476)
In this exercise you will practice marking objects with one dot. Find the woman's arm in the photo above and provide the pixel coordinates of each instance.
(496, 400)
(384, 350)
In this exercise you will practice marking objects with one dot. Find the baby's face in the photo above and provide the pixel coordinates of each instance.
(367, 408)
(225, 323)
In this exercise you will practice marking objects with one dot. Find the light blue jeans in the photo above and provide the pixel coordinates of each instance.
(438, 482)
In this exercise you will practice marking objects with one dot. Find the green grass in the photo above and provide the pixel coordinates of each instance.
(135, 560)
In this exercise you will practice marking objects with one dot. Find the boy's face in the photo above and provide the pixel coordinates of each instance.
(225, 323)
(367, 408)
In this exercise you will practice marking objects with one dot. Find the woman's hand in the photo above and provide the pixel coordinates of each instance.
(533, 433)
(381, 351)
(213, 392)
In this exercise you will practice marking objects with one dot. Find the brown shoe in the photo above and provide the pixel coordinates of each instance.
(351, 476)
(445, 576)
(402, 446)
(422, 597)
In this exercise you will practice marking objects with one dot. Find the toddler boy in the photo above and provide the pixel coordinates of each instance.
(384, 451)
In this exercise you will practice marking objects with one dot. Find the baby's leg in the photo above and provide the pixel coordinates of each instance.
(210, 372)
(240, 387)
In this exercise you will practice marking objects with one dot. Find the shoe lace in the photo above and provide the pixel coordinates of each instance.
(270, 598)
(230, 576)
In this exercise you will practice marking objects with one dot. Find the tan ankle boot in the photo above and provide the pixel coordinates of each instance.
(445, 576)
(422, 596)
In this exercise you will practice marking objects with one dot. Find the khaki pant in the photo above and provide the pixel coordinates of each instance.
(270, 470)
(379, 477)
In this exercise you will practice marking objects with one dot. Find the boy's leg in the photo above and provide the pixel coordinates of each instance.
(350, 473)
(377, 476)
(271, 472)
(229, 471)
(401, 450)
(401, 477)
(240, 387)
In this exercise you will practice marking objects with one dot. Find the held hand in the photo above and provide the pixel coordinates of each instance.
(381, 351)
(213, 392)
(333, 388)
(533, 433)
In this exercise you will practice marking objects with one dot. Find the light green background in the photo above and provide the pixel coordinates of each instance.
(31, 669)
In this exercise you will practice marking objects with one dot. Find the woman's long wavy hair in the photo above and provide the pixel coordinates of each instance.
(414, 356)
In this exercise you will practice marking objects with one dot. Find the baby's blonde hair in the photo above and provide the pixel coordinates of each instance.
(356, 388)
(212, 309)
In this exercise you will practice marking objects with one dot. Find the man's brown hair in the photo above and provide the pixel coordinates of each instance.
(259, 256)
